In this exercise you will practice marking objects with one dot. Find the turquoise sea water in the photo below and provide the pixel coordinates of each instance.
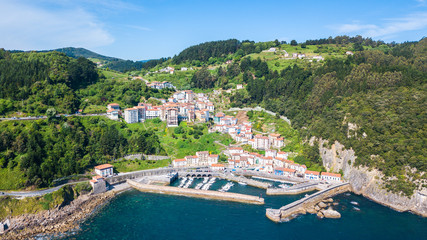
(136, 215)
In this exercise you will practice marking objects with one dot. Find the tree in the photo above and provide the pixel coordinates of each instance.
(294, 43)
(51, 113)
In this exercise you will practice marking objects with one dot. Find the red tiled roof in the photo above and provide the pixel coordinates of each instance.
(331, 174)
(311, 172)
(103, 166)
(180, 160)
(217, 165)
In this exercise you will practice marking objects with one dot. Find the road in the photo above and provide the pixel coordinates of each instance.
(44, 117)
(34, 193)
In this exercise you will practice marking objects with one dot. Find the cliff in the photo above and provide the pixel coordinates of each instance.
(367, 182)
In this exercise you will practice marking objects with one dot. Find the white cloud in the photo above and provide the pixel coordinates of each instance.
(389, 27)
(28, 27)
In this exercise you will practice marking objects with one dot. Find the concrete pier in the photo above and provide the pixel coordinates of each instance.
(248, 181)
(226, 196)
(296, 189)
(299, 207)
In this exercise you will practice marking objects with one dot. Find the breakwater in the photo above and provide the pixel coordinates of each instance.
(226, 196)
(299, 207)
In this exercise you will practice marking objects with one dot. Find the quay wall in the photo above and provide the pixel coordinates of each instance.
(296, 189)
(226, 196)
(268, 176)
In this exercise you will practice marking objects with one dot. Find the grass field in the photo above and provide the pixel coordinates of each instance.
(114, 75)
(190, 139)
(136, 165)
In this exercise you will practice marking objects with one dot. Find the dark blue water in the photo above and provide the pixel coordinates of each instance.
(136, 215)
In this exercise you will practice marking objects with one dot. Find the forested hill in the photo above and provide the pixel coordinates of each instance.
(374, 102)
(219, 51)
(82, 52)
(34, 81)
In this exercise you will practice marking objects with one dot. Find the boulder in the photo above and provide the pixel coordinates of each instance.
(322, 205)
(331, 213)
(317, 208)
(320, 215)
(311, 210)
(328, 200)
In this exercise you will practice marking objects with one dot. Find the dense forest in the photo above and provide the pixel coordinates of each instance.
(33, 82)
(381, 95)
(129, 65)
(44, 150)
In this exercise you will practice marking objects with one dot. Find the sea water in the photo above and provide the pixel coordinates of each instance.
(137, 215)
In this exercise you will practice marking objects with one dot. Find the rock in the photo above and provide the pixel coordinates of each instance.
(322, 205)
(320, 215)
(317, 208)
(328, 200)
(335, 203)
(311, 210)
(330, 213)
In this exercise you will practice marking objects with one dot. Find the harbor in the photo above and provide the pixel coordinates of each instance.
(198, 193)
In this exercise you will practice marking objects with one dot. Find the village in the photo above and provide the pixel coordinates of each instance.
(188, 106)
(181, 106)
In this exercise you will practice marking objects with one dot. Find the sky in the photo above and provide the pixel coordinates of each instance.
(150, 29)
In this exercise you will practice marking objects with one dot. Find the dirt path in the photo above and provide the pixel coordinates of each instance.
(242, 117)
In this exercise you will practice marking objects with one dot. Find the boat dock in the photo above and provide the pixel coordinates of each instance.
(299, 207)
(296, 189)
(207, 194)
(248, 181)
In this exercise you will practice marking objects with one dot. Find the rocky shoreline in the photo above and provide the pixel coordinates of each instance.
(56, 221)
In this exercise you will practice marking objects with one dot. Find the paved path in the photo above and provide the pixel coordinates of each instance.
(37, 192)
(44, 117)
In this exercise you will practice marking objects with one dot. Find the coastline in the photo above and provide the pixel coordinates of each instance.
(59, 221)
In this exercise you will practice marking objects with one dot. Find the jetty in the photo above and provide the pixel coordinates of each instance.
(248, 181)
(291, 210)
(207, 194)
(296, 189)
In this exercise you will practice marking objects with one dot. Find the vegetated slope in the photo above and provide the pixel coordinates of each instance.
(33, 82)
(129, 65)
(220, 51)
(373, 102)
(37, 152)
(82, 52)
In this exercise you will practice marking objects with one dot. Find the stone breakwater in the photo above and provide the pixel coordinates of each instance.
(226, 196)
(305, 205)
(55, 221)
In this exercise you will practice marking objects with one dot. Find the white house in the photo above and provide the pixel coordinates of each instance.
(131, 115)
(217, 167)
(311, 175)
(330, 176)
(179, 163)
(113, 114)
(104, 170)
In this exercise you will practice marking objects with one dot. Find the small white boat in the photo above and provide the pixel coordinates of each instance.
(354, 203)
(242, 183)
(356, 208)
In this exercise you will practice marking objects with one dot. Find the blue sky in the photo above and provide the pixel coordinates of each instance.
(138, 30)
